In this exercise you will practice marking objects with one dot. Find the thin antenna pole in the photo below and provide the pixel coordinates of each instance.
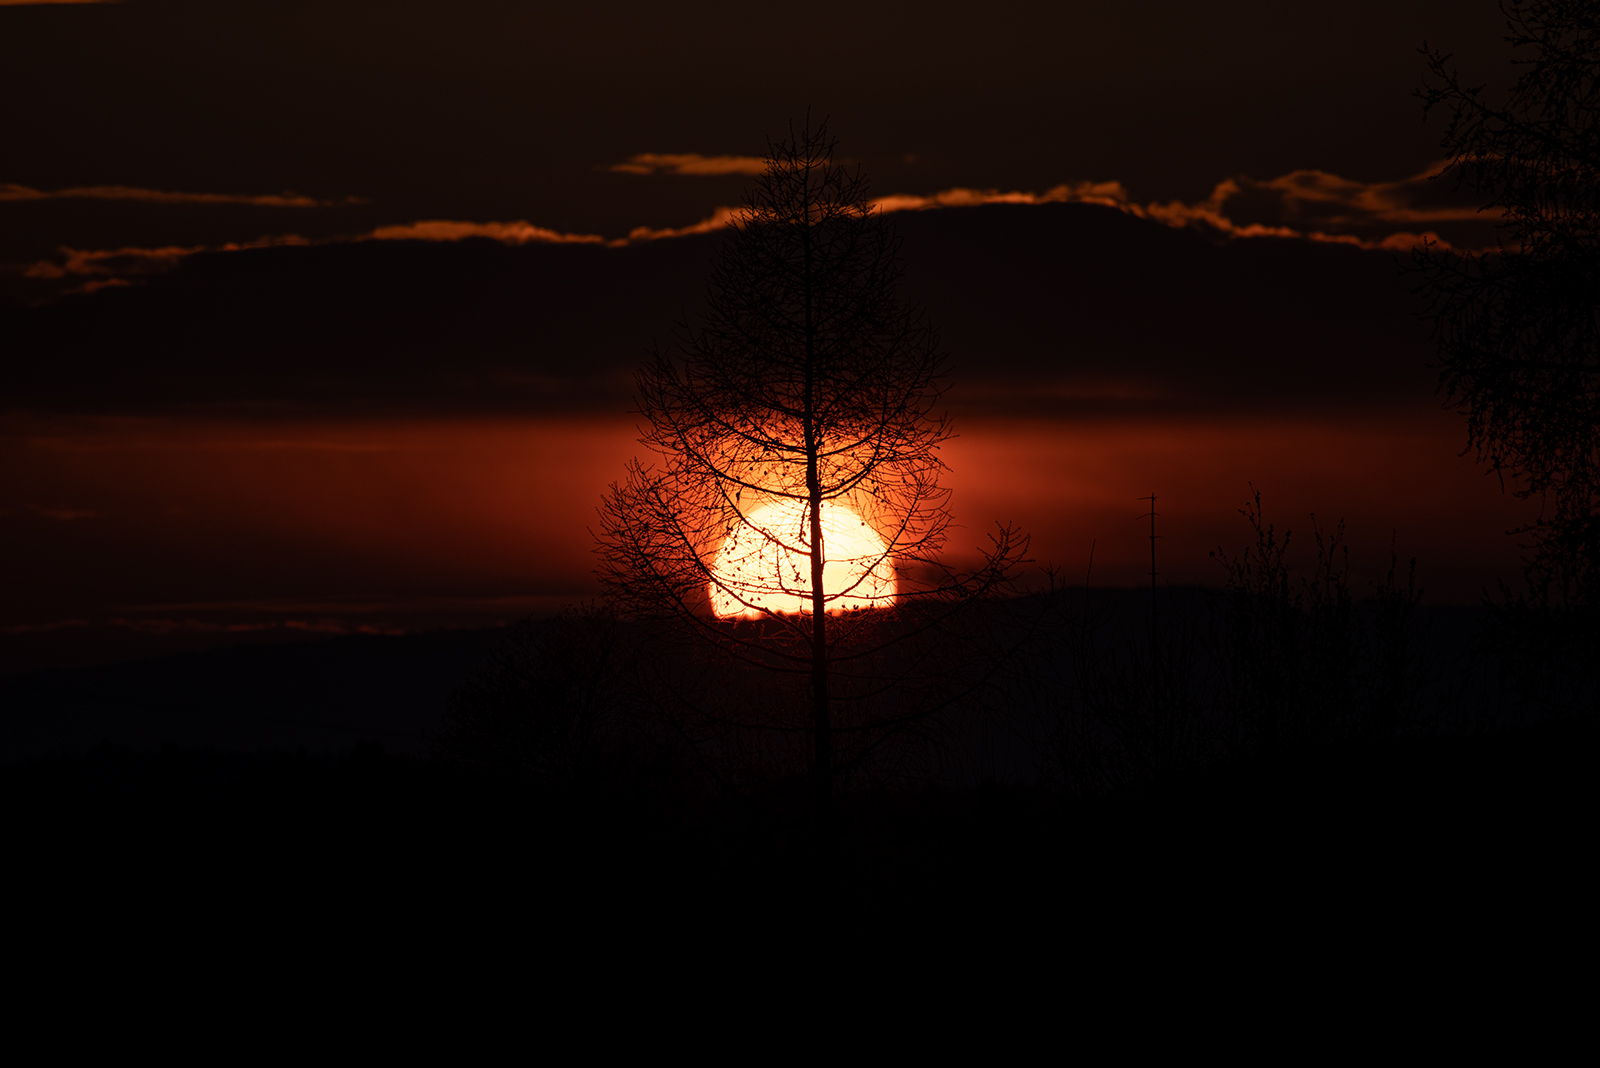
(1155, 662)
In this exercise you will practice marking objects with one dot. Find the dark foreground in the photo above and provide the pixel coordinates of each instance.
(1419, 835)
(287, 798)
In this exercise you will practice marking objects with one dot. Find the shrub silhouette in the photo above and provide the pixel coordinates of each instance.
(1300, 664)
(548, 702)
(1281, 663)
(1518, 338)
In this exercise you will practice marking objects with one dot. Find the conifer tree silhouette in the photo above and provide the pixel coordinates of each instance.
(795, 508)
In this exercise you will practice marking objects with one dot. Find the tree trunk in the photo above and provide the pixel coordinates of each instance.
(821, 725)
(821, 721)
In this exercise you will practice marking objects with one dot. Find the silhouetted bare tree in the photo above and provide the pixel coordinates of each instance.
(543, 703)
(1303, 663)
(1289, 662)
(795, 513)
(1518, 329)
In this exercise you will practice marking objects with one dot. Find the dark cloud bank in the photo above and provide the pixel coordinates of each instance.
(1063, 309)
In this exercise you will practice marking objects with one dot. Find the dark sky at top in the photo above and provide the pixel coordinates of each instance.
(346, 430)
(499, 111)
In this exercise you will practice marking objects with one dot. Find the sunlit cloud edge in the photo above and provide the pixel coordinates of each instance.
(1341, 202)
(689, 163)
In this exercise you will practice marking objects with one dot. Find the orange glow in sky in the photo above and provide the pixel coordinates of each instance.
(124, 518)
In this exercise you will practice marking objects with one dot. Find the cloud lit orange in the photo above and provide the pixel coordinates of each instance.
(520, 232)
(691, 163)
(1321, 205)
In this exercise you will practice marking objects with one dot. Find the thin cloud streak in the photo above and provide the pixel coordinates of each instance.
(720, 219)
(1343, 202)
(199, 626)
(520, 232)
(514, 605)
(12, 191)
(1322, 207)
(113, 267)
(1325, 200)
(690, 163)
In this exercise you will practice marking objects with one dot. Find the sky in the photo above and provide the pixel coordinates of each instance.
(321, 317)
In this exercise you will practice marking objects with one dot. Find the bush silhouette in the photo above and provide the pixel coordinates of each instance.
(547, 703)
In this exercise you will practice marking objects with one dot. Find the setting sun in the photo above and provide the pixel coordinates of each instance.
(764, 564)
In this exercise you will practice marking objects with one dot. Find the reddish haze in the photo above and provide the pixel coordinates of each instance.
(212, 521)
(1073, 484)
(411, 523)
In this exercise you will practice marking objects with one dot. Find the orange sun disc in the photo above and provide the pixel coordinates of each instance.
(765, 564)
